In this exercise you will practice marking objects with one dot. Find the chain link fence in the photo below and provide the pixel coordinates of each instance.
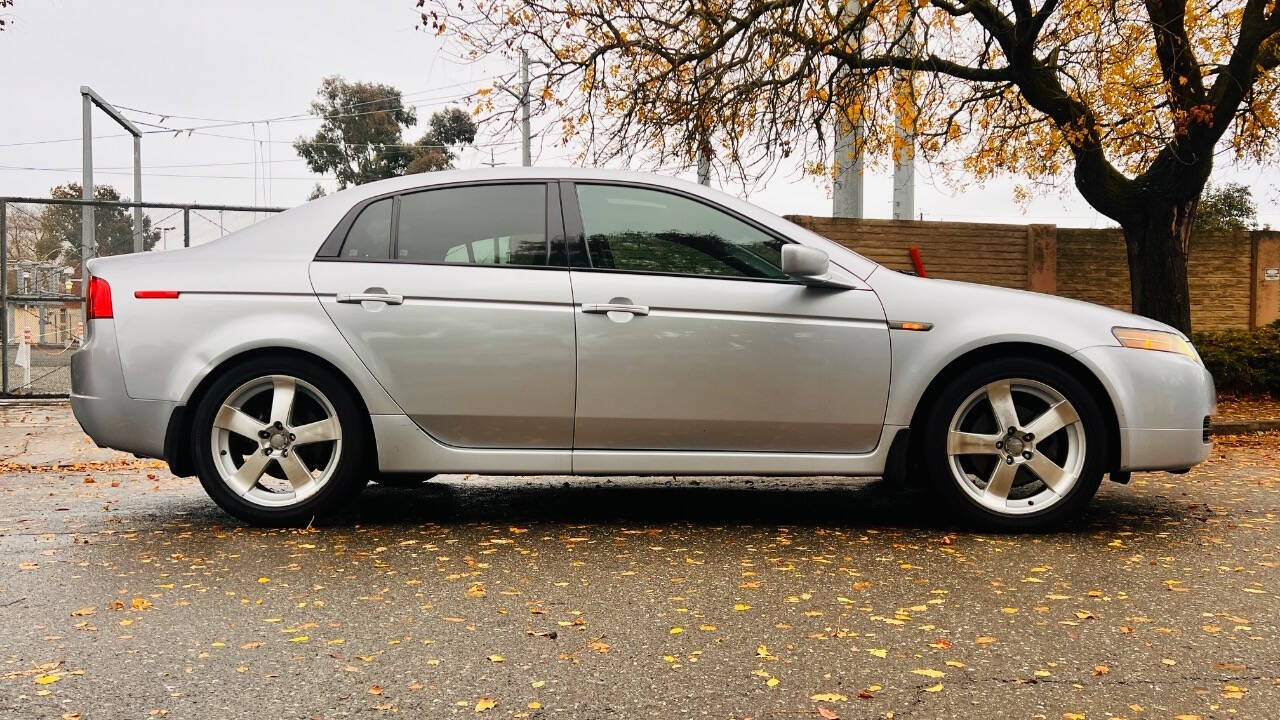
(42, 279)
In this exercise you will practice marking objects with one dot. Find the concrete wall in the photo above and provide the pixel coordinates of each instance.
(1228, 271)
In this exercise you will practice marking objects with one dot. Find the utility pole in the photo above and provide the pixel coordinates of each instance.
(526, 154)
(846, 188)
(904, 146)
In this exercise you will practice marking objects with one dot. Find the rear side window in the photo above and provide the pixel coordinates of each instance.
(370, 235)
(475, 225)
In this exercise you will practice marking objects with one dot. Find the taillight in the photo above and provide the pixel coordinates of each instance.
(99, 300)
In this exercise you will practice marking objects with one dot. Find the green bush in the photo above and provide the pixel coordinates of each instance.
(1244, 361)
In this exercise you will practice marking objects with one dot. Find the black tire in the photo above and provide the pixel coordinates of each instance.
(349, 475)
(403, 480)
(955, 500)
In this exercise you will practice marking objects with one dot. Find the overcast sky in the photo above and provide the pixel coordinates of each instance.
(239, 61)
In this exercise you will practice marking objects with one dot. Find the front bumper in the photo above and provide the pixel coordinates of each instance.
(104, 409)
(1161, 401)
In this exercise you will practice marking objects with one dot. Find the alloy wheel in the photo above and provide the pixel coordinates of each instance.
(1016, 446)
(276, 441)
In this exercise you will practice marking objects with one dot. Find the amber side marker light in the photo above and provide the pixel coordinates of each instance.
(910, 325)
(1154, 340)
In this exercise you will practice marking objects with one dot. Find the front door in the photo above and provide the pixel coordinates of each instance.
(455, 302)
(690, 337)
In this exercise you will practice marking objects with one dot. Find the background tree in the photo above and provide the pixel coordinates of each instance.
(449, 127)
(1226, 207)
(23, 231)
(317, 192)
(4, 20)
(1133, 98)
(60, 227)
(361, 137)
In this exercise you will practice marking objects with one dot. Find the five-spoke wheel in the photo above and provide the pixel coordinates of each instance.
(1018, 442)
(279, 442)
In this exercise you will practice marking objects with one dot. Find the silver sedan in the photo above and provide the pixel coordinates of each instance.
(610, 323)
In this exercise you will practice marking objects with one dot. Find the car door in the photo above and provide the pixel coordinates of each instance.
(459, 303)
(690, 336)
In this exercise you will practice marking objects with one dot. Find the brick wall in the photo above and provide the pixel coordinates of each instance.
(1227, 270)
(973, 252)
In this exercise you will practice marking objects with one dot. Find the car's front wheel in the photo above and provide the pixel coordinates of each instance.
(1016, 444)
(279, 442)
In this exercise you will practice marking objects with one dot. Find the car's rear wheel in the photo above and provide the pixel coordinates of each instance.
(1016, 444)
(279, 442)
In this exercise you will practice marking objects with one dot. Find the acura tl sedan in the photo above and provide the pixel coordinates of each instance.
(529, 322)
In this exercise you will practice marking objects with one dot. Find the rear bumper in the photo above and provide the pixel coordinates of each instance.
(104, 409)
(1161, 401)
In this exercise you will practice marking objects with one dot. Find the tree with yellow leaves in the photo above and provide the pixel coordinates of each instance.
(1134, 97)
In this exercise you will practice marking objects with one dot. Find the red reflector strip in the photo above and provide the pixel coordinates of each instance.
(156, 294)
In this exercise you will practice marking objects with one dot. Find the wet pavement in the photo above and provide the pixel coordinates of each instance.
(125, 593)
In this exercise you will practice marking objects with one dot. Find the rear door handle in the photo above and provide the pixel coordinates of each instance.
(354, 298)
(603, 308)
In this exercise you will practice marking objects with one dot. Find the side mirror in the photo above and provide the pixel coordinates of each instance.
(809, 266)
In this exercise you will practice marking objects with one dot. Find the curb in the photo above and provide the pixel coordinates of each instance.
(1243, 427)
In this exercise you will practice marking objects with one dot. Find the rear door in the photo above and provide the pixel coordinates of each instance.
(690, 336)
(458, 301)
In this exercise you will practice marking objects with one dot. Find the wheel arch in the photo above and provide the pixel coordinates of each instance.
(177, 451)
(1027, 350)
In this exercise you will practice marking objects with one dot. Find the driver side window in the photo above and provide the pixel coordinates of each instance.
(640, 230)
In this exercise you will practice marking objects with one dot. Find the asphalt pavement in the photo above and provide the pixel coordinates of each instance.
(125, 593)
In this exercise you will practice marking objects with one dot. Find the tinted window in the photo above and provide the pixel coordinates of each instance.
(370, 234)
(642, 230)
(477, 225)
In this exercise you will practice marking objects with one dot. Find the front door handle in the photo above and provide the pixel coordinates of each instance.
(603, 308)
(364, 297)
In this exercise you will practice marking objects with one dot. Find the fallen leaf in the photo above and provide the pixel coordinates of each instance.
(828, 697)
(827, 714)
(934, 688)
(929, 672)
(497, 658)
(485, 703)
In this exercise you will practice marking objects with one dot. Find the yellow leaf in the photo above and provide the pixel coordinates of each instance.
(1169, 661)
(1072, 716)
(707, 628)
(140, 603)
(934, 688)
(878, 652)
(485, 703)
(676, 630)
(538, 683)
(534, 705)
(741, 607)
(772, 682)
(929, 672)
(985, 640)
(48, 679)
(84, 612)
(264, 580)
(496, 658)
(828, 697)
(299, 639)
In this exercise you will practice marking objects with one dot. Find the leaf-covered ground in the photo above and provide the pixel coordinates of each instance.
(125, 594)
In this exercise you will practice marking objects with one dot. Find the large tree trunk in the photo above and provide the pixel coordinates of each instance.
(1157, 243)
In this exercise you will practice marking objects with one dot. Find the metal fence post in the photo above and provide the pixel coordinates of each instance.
(4, 298)
(186, 227)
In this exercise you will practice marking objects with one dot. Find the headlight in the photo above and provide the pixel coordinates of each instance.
(1155, 340)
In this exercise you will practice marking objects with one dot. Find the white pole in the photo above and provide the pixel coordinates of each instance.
(904, 168)
(526, 154)
(137, 194)
(846, 190)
